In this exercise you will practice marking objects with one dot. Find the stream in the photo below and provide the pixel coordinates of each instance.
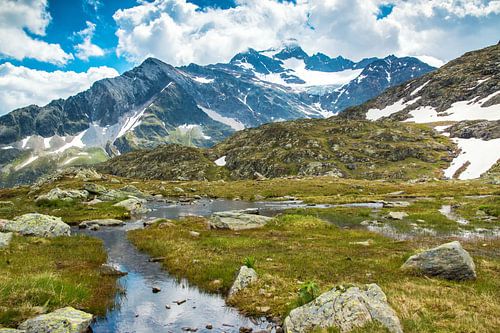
(138, 309)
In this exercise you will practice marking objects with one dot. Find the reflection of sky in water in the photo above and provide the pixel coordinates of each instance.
(139, 309)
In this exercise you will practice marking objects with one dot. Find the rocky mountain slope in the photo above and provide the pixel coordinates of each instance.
(335, 147)
(464, 93)
(155, 103)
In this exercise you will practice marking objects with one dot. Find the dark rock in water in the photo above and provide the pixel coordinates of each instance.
(156, 259)
(449, 261)
(209, 327)
(156, 290)
(246, 330)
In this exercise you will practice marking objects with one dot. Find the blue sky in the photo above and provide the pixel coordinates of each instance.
(54, 48)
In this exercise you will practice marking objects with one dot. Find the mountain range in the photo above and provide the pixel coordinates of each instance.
(155, 103)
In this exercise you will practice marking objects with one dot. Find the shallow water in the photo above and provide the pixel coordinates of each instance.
(139, 310)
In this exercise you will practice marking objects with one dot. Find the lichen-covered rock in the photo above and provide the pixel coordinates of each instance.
(397, 215)
(133, 205)
(102, 223)
(95, 188)
(39, 225)
(344, 310)
(88, 174)
(65, 195)
(237, 220)
(11, 330)
(246, 276)
(65, 320)
(449, 261)
(5, 239)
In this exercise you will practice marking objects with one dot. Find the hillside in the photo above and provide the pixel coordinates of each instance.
(334, 147)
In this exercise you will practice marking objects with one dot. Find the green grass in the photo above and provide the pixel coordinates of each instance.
(39, 275)
(294, 249)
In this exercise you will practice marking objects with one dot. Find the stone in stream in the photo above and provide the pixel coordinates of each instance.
(449, 261)
(65, 195)
(102, 223)
(133, 205)
(246, 276)
(344, 309)
(395, 204)
(5, 239)
(65, 320)
(38, 225)
(156, 290)
(237, 220)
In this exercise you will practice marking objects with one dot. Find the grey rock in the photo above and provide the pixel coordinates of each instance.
(102, 223)
(133, 205)
(345, 310)
(39, 225)
(246, 276)
(65, 320)
(66, 195)
(395, 204)
(11, 330)
(237, 220)
(93, 188)
(449, 261)
(110, 270)
(397, 215)
(5, 239)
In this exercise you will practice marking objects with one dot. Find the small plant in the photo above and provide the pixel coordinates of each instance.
(249, 262)
(308, 292)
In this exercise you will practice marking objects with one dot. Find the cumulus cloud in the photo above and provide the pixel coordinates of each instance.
(179, 32)
(19, 16)
(86, 48)
(21, 86)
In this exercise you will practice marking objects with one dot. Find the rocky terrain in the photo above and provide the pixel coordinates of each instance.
(334, 147)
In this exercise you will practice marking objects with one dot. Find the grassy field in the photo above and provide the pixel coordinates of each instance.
(295, 249)
(39, 275)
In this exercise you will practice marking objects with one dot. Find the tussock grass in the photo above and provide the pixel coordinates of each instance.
(39, 275)
(294, 249)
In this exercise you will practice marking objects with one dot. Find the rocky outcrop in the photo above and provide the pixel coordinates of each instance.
(65, 320)
(65, 195)
(246, 276)
(480, 129)
(237, 220)
(38, 225)
(5, 239)
(344, 309)
(133, 205)
(449, 261)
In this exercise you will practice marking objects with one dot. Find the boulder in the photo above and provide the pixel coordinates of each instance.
(5, 239)
(39, 225)
(237, 220)
(95, 188)
(246, 276)
(397, 215)
(449, 261)
(102, 223)
(88, 174)
(133, 205)
(65, 320)
(344, 309)
(65, 195)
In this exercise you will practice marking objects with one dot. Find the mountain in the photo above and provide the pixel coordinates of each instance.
(334, 147)
(461, 99)
(156, 103)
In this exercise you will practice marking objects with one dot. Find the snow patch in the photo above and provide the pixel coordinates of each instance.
(203, 80)
(7, 147)
(231, 122)
(481, 155)
(220, 161)
(464, 110)
(414, 92)
(74, 141)
(27, 162)
(374, 114)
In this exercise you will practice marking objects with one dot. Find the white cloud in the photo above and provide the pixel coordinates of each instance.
(86, 48)
(21, 86)
(19, 16)
(176, 32)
